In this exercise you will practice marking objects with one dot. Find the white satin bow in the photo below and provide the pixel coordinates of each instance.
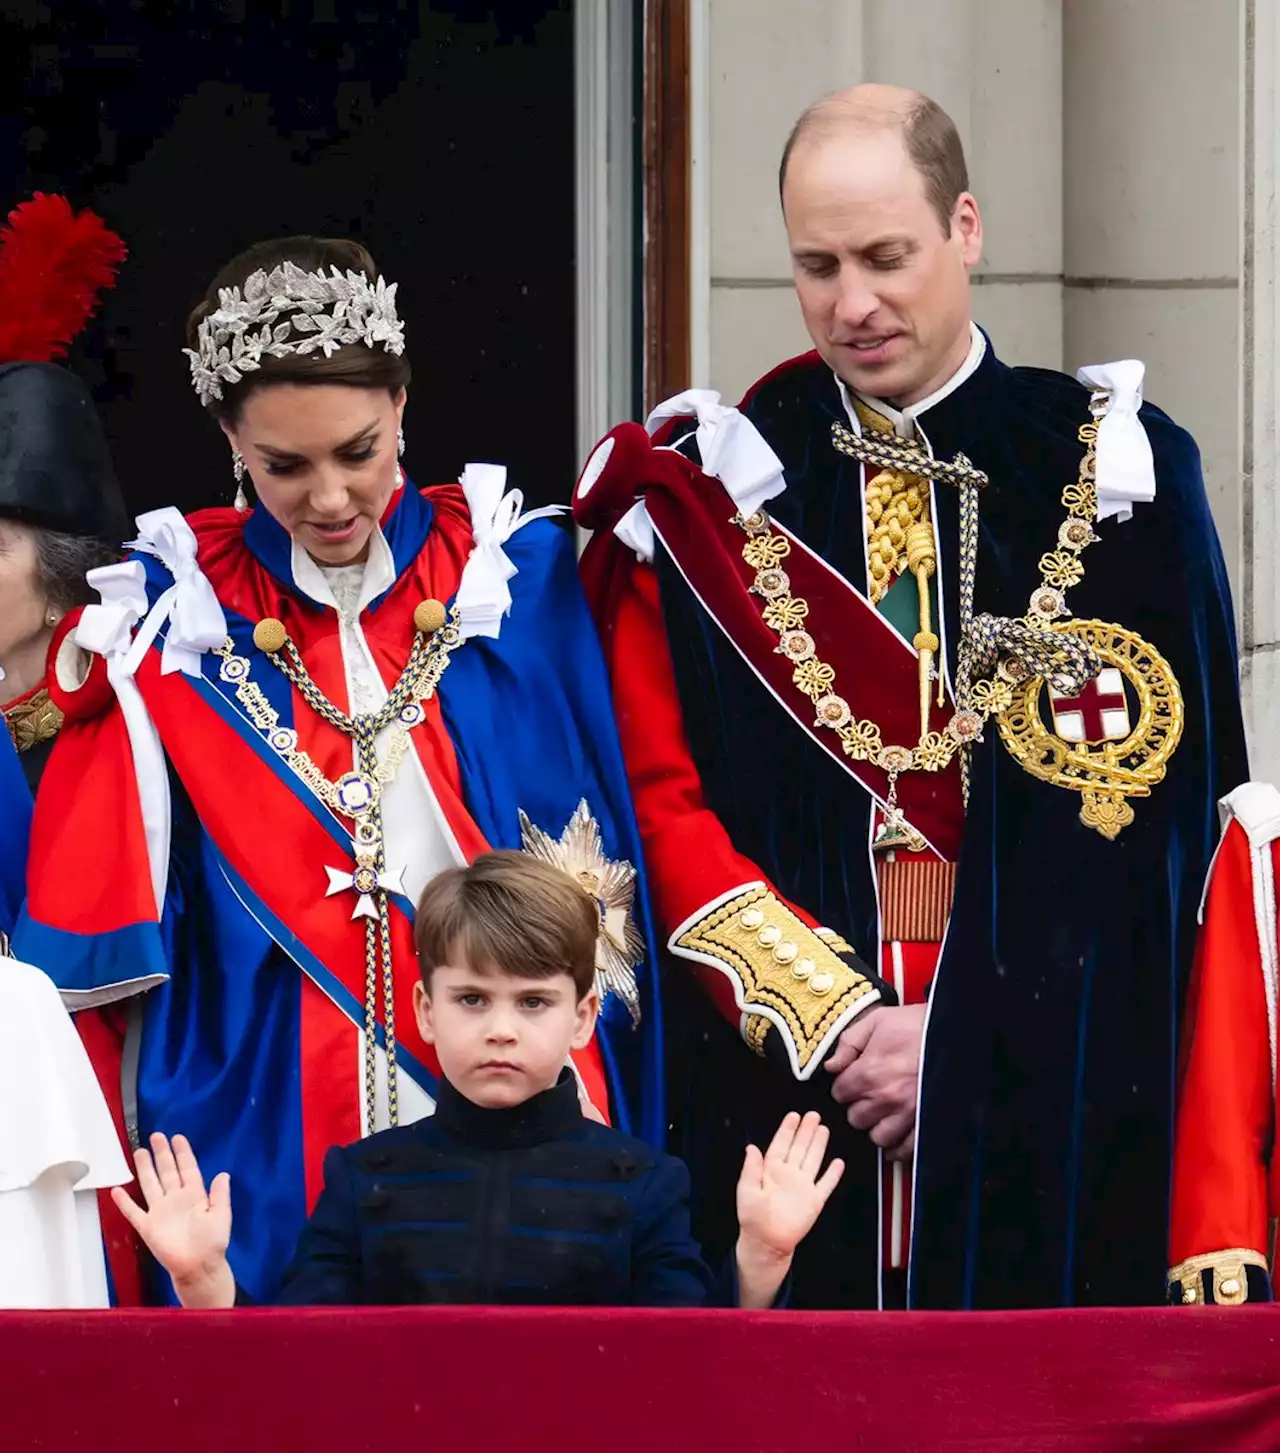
(1126, 471)
(731, 449)
(484, 597)
(730, 446)
(107, 628)
(195, 619)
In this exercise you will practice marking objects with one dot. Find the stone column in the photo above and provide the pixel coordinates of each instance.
(1152, 97)
(766, 62)
(995, 66)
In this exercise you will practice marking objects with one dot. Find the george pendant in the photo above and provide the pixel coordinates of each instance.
(896, 832)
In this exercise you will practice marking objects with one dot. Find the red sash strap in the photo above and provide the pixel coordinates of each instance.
(876, 671)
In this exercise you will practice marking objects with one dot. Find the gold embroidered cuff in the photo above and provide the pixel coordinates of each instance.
(788, 975)
(1230, 1282)
(755, 1032)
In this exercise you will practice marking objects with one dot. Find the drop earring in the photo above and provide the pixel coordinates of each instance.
(238, 471)
(400, 443)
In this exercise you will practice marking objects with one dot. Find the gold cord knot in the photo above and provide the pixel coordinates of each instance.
(428, 616)
(269, 635)
(922, 554)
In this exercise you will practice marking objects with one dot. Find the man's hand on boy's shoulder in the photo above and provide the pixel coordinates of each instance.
(186, 1228)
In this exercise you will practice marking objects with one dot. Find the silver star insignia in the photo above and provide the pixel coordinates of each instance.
(579, 852)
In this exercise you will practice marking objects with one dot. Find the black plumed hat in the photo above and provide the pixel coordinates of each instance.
(55, 467)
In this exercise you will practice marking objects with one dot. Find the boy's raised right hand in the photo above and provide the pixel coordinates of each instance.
(186, 1228)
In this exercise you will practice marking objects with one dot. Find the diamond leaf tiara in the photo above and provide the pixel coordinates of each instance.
(325, 312)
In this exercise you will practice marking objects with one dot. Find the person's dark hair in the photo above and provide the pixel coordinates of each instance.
(509, 912)
(354, 364)
(930, 136)
(63, 561)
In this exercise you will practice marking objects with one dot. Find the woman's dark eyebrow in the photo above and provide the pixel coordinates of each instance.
(338, 448)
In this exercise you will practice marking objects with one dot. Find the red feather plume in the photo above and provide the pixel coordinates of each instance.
(53, 264)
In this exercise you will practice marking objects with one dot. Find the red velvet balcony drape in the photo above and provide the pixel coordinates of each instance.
(1194, 1381)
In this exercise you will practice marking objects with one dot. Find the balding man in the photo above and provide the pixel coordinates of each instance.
(931, 656)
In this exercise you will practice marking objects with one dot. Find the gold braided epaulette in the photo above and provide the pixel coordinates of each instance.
(32, 721)
(784, 967)
(1230, 1284)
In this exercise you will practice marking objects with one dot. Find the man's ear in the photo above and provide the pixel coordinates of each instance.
(966, 224)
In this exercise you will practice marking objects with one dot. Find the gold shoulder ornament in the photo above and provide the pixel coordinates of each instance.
(32, 721)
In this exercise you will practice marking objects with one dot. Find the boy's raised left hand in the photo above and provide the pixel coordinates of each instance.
(780, 1195)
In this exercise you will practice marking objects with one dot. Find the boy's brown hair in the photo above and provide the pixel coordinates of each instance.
(510, 912)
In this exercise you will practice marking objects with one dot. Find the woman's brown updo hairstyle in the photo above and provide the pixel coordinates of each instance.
(354, 364)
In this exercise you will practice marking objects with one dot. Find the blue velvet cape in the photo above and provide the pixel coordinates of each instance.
(1048, 1085)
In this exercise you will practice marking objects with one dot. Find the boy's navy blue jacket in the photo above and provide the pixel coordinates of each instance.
(529, 1206)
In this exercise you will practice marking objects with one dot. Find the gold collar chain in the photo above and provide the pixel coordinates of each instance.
(976, 700)
(356, 794)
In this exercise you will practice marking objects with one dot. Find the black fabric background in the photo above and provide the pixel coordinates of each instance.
(440, 135)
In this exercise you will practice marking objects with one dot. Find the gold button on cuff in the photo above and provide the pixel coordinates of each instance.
(751, 919)
(802, 968)
(770, 935)
(822, 983)
(785, 952)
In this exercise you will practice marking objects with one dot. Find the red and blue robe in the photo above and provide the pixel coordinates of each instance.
(243, 992)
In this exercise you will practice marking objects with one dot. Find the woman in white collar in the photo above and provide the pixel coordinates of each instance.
(319, 699)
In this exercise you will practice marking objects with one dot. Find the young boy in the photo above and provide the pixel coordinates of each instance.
(508, 1193)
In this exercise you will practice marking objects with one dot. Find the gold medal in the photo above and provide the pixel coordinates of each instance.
(1096, 748)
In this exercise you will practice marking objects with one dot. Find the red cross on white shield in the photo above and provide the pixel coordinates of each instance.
(1100, 713)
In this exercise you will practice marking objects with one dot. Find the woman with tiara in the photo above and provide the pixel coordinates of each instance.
(281, 721)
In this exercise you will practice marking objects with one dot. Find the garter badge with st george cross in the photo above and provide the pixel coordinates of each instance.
(1095, 747)
(1099, 713)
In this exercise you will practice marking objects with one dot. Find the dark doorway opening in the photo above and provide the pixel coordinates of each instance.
(441, 135)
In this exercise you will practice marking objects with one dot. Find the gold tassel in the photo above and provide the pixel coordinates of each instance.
(922, 561)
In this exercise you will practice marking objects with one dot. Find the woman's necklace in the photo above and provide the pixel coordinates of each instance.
(356, 794)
